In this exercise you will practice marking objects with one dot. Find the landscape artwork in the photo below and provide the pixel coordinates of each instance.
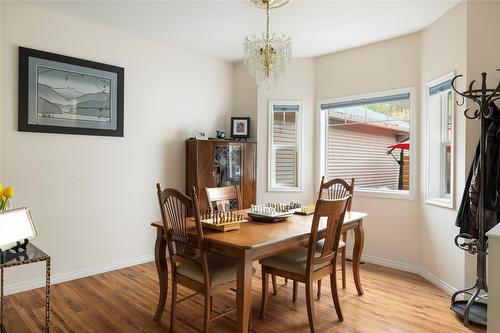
(60, 94)
(74, 96)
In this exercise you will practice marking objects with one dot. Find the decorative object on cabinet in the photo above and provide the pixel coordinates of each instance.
(240, 127)
(220, 134)
(200, 135)
(219, 163)
(60, 94)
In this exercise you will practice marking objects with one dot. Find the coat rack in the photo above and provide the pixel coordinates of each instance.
(475, 308)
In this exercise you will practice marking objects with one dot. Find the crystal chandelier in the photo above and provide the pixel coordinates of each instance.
(267, 56)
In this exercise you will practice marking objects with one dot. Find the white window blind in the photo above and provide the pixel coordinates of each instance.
(284, 145)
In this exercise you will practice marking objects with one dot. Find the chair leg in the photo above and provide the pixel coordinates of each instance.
(174, 305)
(343, 259)
(310, 306)
(335, 295)
(295, 287)
(275, 286)
(286, 281)
(319, 289)
(208, 305)
(265, 286)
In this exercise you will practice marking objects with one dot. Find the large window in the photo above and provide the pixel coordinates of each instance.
(440, 109)
(369, 138)
(284, 145)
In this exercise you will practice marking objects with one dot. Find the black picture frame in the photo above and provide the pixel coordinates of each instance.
(240, 120)
(26, 90)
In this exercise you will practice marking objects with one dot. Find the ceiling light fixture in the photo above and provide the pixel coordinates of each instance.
(266, 57)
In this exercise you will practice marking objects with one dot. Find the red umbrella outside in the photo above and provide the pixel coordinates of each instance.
(401, 145)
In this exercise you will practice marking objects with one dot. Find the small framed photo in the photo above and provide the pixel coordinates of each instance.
(240, 127)
(200, 135)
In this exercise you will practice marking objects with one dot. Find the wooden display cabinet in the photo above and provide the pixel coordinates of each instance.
(217, 163)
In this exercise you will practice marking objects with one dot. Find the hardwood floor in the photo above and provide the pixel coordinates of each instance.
(125, 301)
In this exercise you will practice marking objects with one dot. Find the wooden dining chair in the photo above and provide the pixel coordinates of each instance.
(306, 265)
(223, 198)
(337, 188)
(191, 266)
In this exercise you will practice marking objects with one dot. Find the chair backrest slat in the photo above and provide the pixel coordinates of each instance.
(333, 211)
(336, 188)
(220, 198)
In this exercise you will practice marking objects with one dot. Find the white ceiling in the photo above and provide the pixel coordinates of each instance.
(217, 28)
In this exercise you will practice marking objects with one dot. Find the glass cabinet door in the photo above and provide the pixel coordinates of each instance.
(227, 165)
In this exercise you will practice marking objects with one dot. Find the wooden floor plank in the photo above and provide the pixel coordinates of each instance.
(125, 300)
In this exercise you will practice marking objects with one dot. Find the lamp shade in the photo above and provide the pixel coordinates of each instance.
(16, 225)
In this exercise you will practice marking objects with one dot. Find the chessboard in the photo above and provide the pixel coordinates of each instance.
(222, 221)
(273, 211)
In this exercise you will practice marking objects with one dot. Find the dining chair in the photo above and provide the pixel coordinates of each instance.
(192, 266)
(337, 188)
(225, 199)
(307, 265)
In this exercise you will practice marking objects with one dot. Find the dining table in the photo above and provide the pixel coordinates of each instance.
(253, 241)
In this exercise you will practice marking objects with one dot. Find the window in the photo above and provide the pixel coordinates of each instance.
(284, 145)
(440, 111)
(369, 138)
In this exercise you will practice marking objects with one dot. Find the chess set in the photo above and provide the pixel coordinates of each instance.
(273, 211)
(306, 210)
(222, 221)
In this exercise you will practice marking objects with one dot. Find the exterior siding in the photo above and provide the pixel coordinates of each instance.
(363, 156)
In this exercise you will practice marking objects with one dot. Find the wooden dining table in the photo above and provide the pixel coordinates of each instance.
(253, 241)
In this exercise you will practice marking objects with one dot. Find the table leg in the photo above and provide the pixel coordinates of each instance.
(1, 300)
(244, 290)
(162, 268)
(47, 296)
(359, 240)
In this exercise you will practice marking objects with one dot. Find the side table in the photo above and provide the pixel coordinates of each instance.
(31, 255)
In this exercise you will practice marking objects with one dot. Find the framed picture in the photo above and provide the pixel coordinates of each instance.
(60, 94)
(240, 127)
(200, 135)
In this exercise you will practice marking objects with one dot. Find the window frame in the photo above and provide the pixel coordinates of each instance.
(433, 200)
(322, 147)
(271, 184)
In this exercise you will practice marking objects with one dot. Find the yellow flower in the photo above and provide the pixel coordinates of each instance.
(8, 192)
(1, 187)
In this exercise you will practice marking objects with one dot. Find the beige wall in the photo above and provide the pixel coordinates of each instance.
(444, 46)
(297, 84)
(392, 226)
(245, 98)
(94, 197)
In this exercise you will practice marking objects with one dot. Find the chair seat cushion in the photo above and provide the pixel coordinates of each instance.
(293, 261)
(220, 270)
(321, 242)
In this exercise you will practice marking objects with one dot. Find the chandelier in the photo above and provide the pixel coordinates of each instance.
(266, 56)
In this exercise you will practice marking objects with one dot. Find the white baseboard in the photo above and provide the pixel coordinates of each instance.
(444, 286)
(64, 277)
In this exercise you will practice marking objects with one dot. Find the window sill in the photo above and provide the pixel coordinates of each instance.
(441, 202)
(284, 189)
(400, 195)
